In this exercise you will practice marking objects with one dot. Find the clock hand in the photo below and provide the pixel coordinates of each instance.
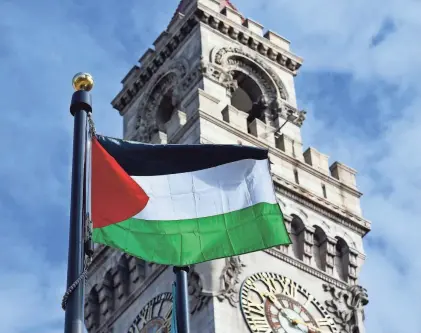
(283, 313)
(311, 327)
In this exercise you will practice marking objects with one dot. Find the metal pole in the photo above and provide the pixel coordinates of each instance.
(182, 299)
(79, 108)
(89, 246)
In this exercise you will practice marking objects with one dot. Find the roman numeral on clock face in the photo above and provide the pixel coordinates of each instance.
(269, 283)
(259, 325)
(256, 308)
(289, 288)
(148, 314)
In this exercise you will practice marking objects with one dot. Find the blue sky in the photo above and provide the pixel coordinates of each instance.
(359, 84)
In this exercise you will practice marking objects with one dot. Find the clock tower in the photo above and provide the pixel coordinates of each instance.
(215, 76)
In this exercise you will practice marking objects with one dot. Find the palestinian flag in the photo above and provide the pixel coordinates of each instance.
(183, 204)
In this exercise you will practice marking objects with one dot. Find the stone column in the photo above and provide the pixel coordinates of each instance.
(352, 266)
(308, 244)
(330, 255)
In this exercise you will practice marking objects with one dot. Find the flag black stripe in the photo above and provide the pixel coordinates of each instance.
(140, 159)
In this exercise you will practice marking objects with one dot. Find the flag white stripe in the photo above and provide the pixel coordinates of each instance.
(214, 191)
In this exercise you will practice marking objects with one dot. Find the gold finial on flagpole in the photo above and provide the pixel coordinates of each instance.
(83, 81)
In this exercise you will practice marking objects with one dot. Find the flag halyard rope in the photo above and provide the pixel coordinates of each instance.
(88, 260)
(91, 125)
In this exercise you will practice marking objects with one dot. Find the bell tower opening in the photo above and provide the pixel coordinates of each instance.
(165, 110)
(247, 92)
(248, 97)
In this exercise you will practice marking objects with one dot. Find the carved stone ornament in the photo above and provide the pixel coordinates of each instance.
(230, 279)
(224, 54)
(198, 297)
(346, 306)
(295, 116)
(218, 74)
(165, 80)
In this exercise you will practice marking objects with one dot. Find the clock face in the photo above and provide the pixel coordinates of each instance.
(155, 317)
(272, 303)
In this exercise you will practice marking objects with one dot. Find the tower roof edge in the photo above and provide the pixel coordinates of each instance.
(184, 4)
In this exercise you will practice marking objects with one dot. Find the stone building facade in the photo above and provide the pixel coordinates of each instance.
(215, 76)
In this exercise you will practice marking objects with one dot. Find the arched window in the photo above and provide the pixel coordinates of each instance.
(108, 295)
(92, 312)
(123, 277)
(341, 259)
(165, 110)
(248, 97)
(319, 248)
(297, 237)
(247, 92)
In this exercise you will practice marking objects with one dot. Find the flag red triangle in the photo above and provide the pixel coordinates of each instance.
(116, 196)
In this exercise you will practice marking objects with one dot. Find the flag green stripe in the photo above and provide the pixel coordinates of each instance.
(186, 242)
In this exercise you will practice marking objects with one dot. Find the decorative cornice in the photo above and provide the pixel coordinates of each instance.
(243, 35)
(313, 271)
(131, 92)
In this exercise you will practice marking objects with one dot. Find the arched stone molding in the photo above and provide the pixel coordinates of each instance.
(320, 247)
(326, 228)
(235, 57)
(299, 213)
(349, 240)
(302, 214)
(166, 81)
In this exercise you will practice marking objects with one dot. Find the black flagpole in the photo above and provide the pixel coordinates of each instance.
(79, 108)
(182, 299)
